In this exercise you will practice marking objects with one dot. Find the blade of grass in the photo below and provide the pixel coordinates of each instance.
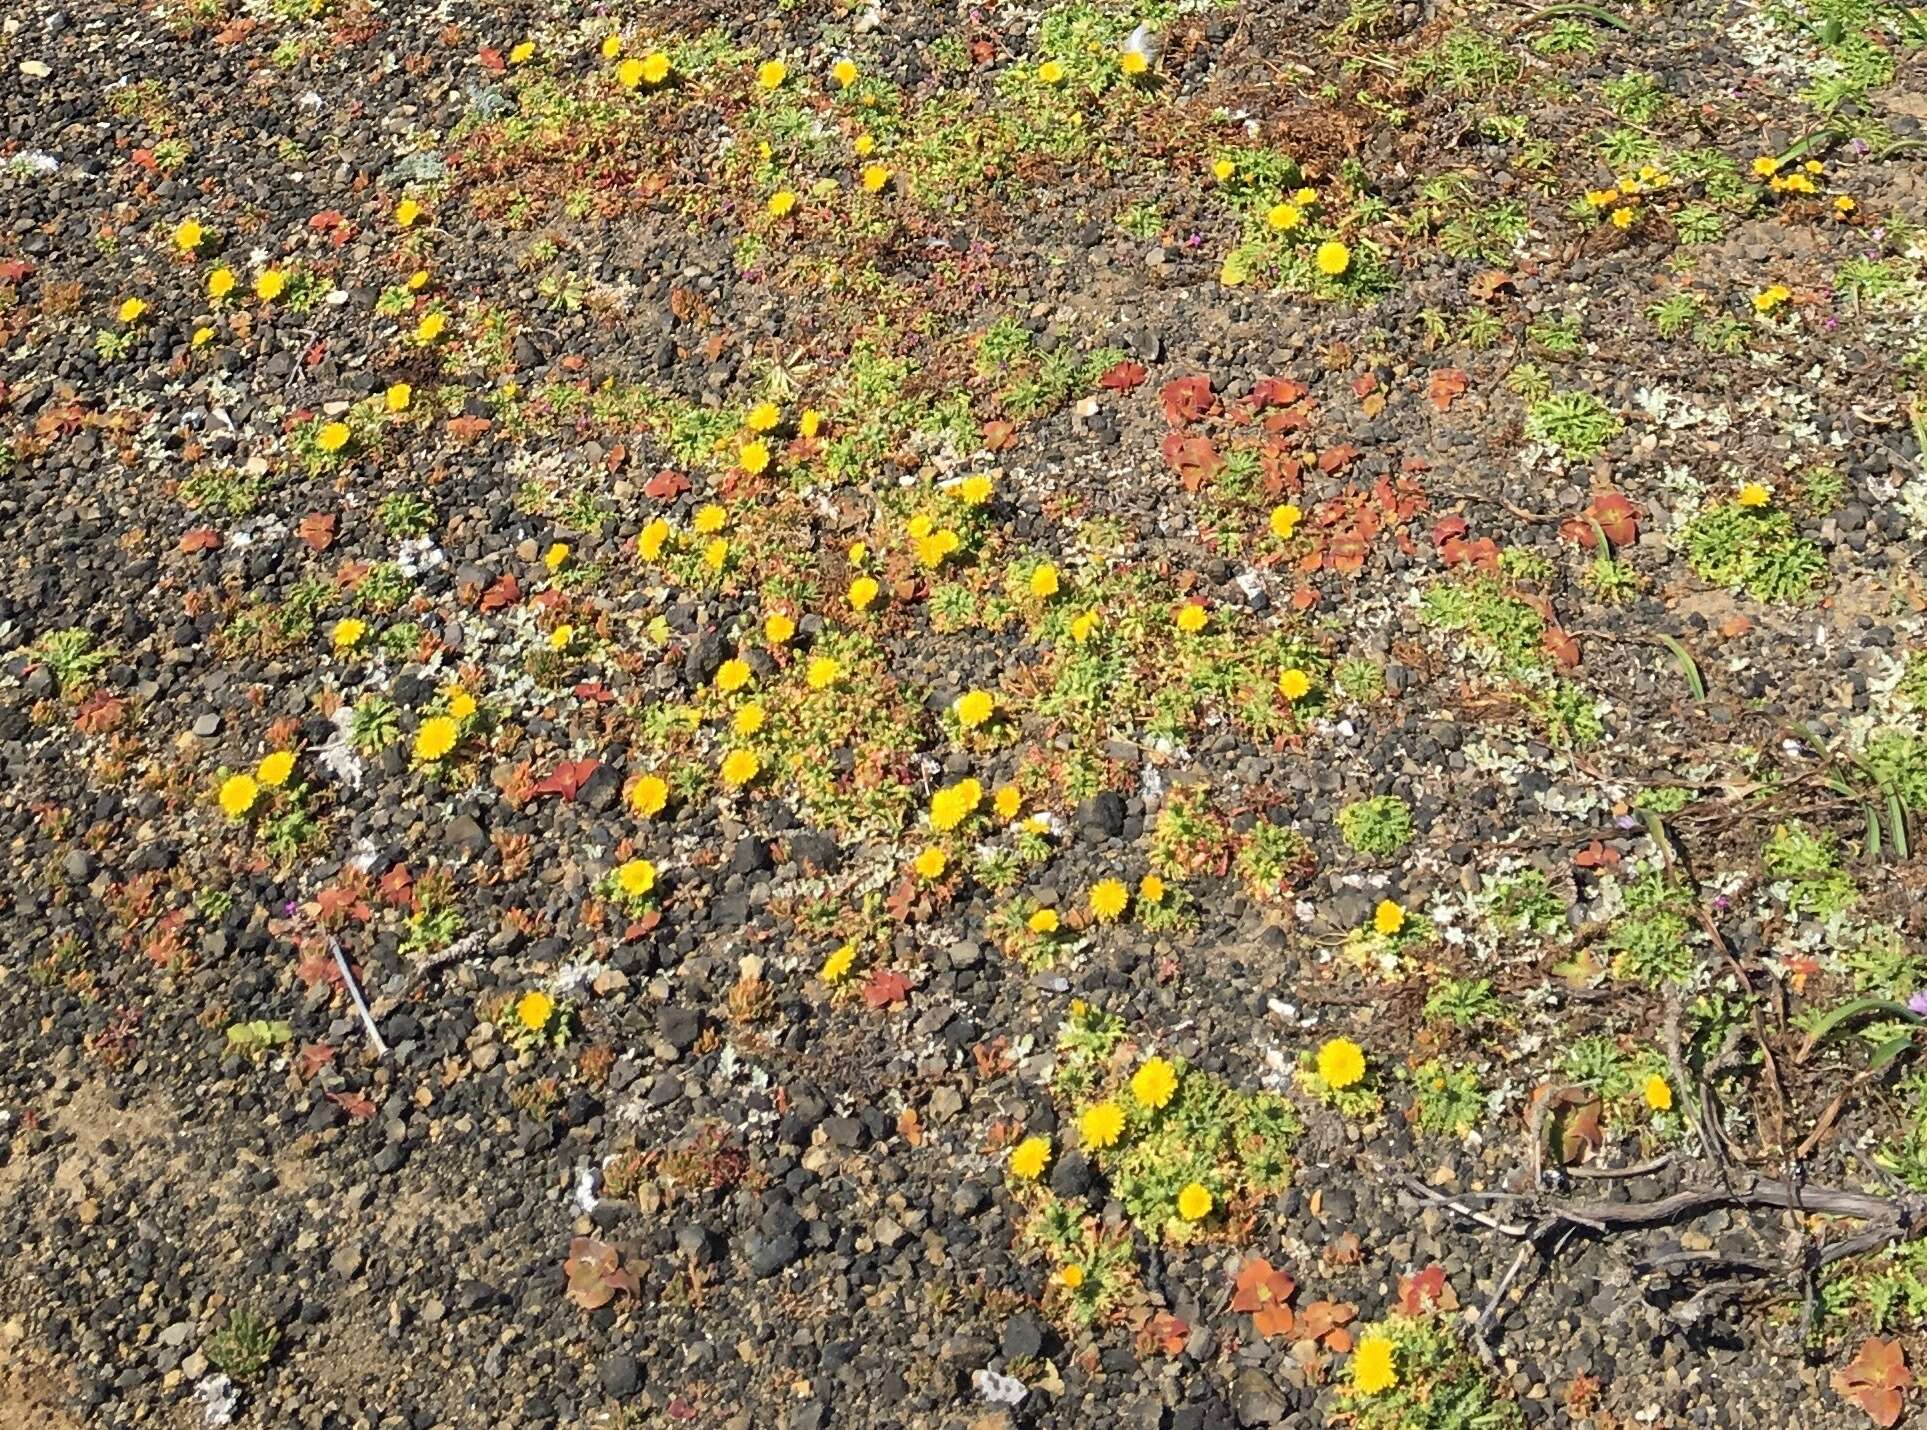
(1687, 667)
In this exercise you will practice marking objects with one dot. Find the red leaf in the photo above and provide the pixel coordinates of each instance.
(506, 591)
(1365, 384)
(337, 903)
(613, 459)
(1194, 459)
(1449, 527)
(1444, 388)
(467, 429)
(1563, 647)
(325, 220)
(1277, 392)
(398, 887)
(491, 60)
(1877, 1380)
(568, 778)
(1187, 399)
(13, 271)
(998, 434)
(1123, 377)
(317, 528)
(885, 987)
(1421, 1292)
(313, 1058)
(1263, 1292)
(1335, 458)
(1596, 856)
(665, 486)
(202, 538)
(355, 1104)
(594, 690)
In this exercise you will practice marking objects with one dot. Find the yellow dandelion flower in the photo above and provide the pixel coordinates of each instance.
(1043, 921)
(837, 966)
(406, 212)
(1071, 1276)
(1284, 217)
(1195, 1202)
(1050, 72)
(770, 74)
(534, 1009)
(131, 310)
(636, 878)
(1192, 618)
(237, 795)
(1150, 890)
(1029, 1158)
(1332, 258)
(1007, 801)
(611, 45)
(1133, 63)
(753, 457)
(269, 284)
(976, 490)
(931, 863)
(844, 72)
(810, 423)
(822, 673)
(556, 556)
(875, 176)
(1108, 900)
(1043, 582)
(1341, 1063)
(1284, 521)
(333, 437)
(1388, 918)
(1373, 1366)
(655, 68)
(436, 737)
(187, 235)
(429, 328)
(220, 283)
(778, 628)
(716, 554)
(1082, 626)
(649, 795)
(274, 769)
(1294, 684)
(398, 396)
(560, 637)
(629, 73)
(1101, 1125)
(1658, 1093)
(522, 53)
(863, 593)
(953, 804)
(1155, 1082)
(1222, 170)
(732, 674)
(748, 720)
(1754, 494)
(651, 539)
(974, 708)
(348, 632)
(740, 767)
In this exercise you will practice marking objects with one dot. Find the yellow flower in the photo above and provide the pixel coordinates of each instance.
(1154, 1083)
(269, 284)
(716, 553)
(865, 145)
(1082, 625)
(636, 878)
(1341, 1062)
(650, 540)
(1195, 1202)
(655, 67)
(753, 457)
(1388, 918)
(858, 553)
(1007, 801)
(875, 176)
(1223, 169)
(748, 720)
(1101, 1125)
(348, 632)
(1043, 582)
(1284, 521)
(953, 804)
(436, 737)
(1294, 684)
(611, 45)
(187, 235)
(863, 592)
(1624, 217)
(976, 490)
(778, 628)
(1150, 890)
(1108, 898)
(1133, 62)
(1332, 258)
(1029, 1158)
(931, 863)
(1192, 618)
(836, 967)
(534, 1009)
(649, 795)
(274, 769)
(418, 280)
(1050, 72)
(763, 416)
(771, 73)
(238, 794)
(430, 328)
(740, 767)
(1043, 921)
(1766, 166)
(397, 397)
(556, 555)
(1284, 217)
(781, 202)
(1843, 204)
(560, 637)
(629, 73)
(1771, 297)
(975, 707)
(1658, 1094)
(333, 437)
(822, 673)
(810, 423)
(522, 53)
(1373, 1371)
(461, 704)
(406, 212)
(202, 337)
(220, 283)
(732, 674)
(1071, 1277)
(131, 310)
(1305, 198)
(1754, 494)
(844, 72)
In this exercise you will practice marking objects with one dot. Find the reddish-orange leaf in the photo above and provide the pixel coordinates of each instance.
(885, 987)
(201, 538)
(1877, 1380)
(568, 778)
(1186, 399)
(317, 529)
(398, 887)
(1446, 384)
(998, 434)
(1123, 377)
(467, 429)
(505, 591)
(666, 486)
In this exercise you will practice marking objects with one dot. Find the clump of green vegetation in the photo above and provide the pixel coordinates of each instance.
(1651, 941)
(1414, 1373)
(1360, 679)
(1446, 1097)
(1912, 689)
(1524, 902)
(1756, 549)
(1272, 858)
(1481, 608)
(72, 657)
(1463, 1002)
(1577, 423)
(1897, 760)
(244, 1345)
(1380, 826)
(1810, 865)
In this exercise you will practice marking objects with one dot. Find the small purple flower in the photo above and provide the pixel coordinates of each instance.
(1625, 821)
(1722, 903)
(1918, 1004)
